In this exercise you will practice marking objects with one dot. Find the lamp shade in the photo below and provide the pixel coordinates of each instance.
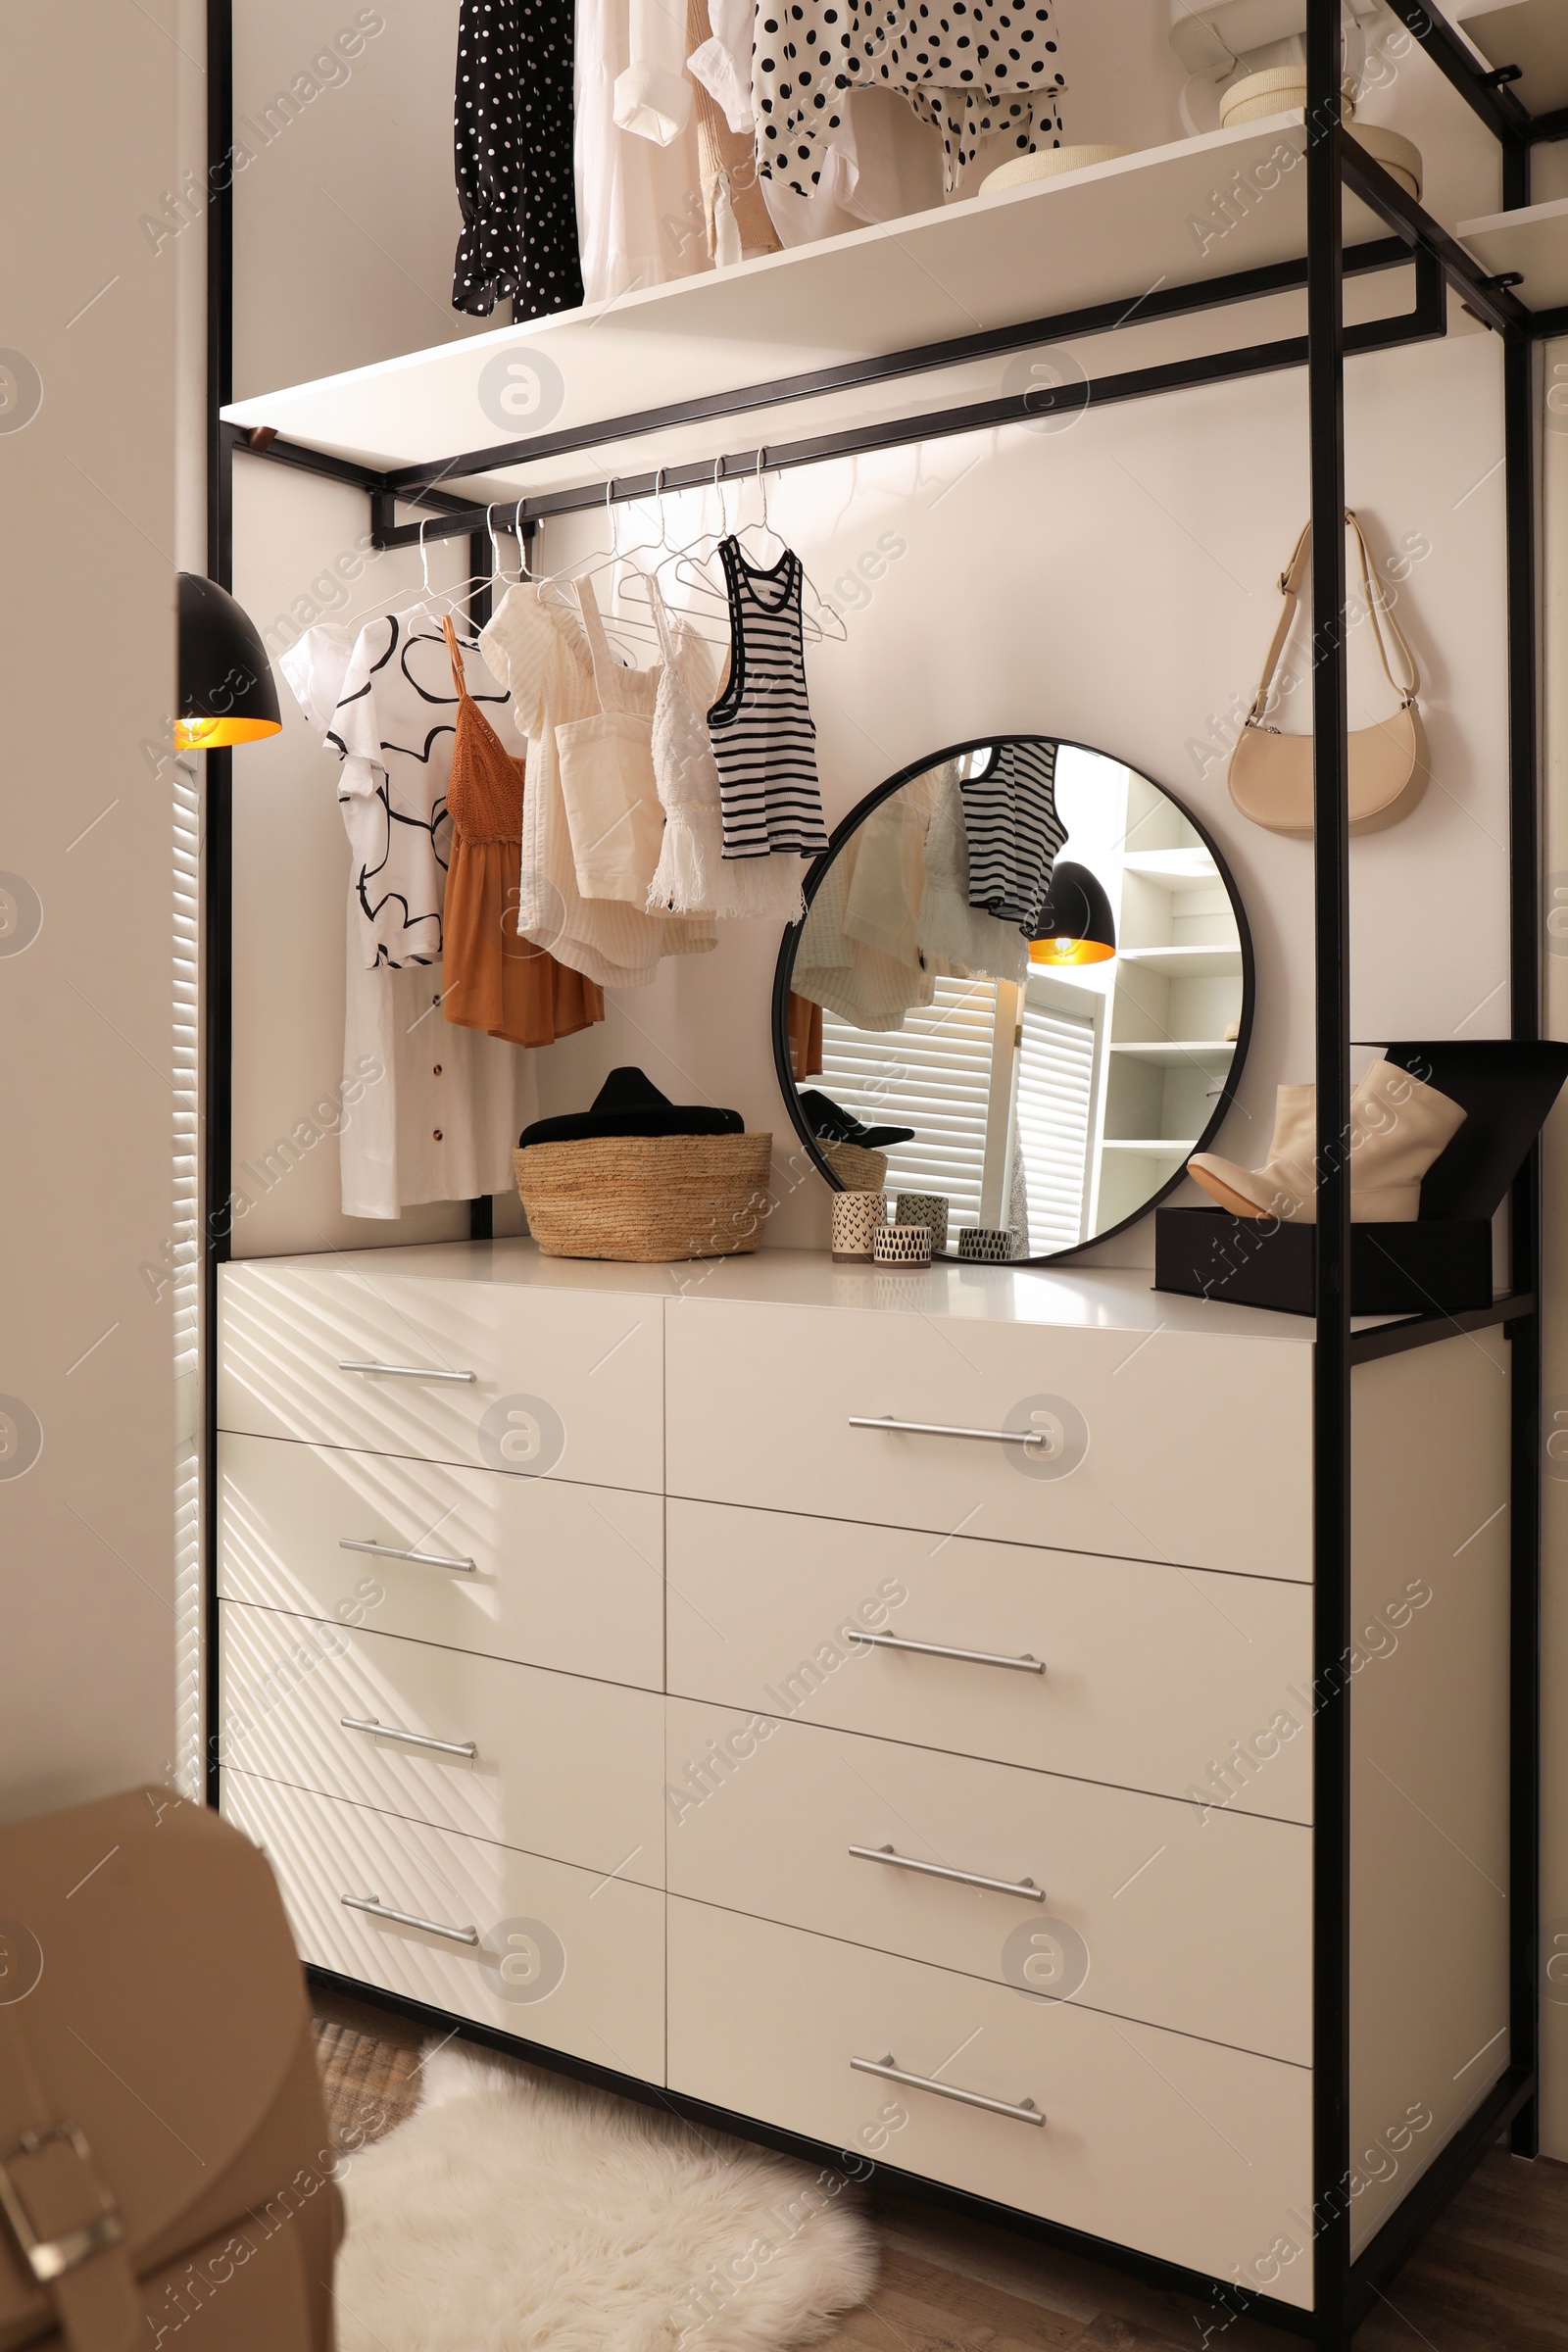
(226, 690)
(1075, 924)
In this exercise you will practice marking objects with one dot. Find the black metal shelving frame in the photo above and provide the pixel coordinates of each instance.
(1346, 2287)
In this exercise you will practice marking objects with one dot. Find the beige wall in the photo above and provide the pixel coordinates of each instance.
(347, 219)
(89, 1077)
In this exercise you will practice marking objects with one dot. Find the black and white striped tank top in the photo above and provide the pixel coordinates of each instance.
(764, 745)
(1013, 831)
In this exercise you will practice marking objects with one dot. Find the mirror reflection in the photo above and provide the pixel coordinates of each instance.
(1021, 986)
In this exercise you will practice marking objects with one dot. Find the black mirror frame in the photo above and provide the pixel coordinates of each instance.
(841, 834)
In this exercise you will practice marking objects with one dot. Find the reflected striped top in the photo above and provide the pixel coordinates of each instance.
(1013, 831)
(764, 745)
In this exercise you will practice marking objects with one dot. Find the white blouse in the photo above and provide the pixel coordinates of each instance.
(543, 655)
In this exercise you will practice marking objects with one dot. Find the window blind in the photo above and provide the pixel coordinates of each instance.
(1055, 1105)
(934, 1075)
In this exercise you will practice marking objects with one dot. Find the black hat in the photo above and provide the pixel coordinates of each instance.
(630, 1103)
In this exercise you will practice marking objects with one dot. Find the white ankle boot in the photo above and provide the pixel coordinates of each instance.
(1398, 1127)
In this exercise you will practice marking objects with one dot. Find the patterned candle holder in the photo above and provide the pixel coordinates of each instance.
(985, 1244)
(858, 1219)
(904, 1245)
(929, 1209)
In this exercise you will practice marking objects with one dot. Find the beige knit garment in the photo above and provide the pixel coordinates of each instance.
(541, 652)
(727, 162)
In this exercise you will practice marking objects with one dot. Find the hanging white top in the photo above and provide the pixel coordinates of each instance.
(543, 653)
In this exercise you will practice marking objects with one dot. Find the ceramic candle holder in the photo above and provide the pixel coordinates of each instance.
(986, 1245)
(929, 1209)
(858, 1218)
(904, 1245)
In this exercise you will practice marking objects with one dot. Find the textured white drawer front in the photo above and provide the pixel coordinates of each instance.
(565, 1384)
(562, 1767)
(1145, 1908)
(1167, 1447)
(537, 1570)
(1174, 2146)
(563, 1958)
(1160, 1678)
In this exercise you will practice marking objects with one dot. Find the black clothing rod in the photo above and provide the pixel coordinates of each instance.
(1422, 325)
(1099, 319)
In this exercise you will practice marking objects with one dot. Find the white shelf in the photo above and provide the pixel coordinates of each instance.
(1186, 963)
(1152, 1147)
(1107, 233)
(1534, 241)
(1532, 33)
(1213, 1055)
(1173, 870)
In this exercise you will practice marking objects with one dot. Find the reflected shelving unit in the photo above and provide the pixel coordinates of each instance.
(1176, 1006)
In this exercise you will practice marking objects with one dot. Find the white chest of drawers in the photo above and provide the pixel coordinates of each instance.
(878, 1706)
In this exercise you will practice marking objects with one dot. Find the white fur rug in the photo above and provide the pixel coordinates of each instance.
(516, 2212)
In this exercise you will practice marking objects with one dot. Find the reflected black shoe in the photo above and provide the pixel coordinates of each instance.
(832, 1125)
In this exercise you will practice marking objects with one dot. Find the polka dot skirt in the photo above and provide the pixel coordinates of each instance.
(970, 67)
(513, 134)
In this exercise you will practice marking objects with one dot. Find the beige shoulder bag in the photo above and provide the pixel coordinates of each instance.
(166, 2174)
(1271, 774)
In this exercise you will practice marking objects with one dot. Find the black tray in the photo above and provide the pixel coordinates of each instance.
(1438, 1265)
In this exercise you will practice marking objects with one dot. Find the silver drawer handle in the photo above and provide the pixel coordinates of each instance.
(409, 1918)
(1025, 2112)
(940, 1429)
(939, 1870)
(390, 1551)
(347, 1363)
(942, 1649)
(389, 1730)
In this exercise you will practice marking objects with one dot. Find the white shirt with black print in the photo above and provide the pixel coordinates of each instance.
(435, 1109)
(393, 729)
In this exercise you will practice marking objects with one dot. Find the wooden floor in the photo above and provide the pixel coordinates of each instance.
(1492, 2277)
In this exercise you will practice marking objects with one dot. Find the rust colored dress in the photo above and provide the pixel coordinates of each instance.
(492, 979)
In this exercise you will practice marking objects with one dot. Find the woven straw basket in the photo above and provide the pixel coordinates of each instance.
(856, 1169)
(652, 1198)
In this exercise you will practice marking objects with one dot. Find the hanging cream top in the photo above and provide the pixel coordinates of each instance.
(543, 655)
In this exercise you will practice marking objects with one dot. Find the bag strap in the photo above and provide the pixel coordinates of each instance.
(59, 2211)
(1292, 582)
(1380, 614)
(607, 670)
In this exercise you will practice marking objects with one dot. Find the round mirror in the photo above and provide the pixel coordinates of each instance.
(1023, 986)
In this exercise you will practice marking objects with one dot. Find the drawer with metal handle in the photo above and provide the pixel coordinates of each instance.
(552, 1763)
(1138, 1673)
(1156, 2140)
(524, 1568)
(1141, 1442)
(1139, 1906)
(568, 1958)
(495, 1365)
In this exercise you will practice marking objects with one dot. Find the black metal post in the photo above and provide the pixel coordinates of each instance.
(481, 554)
(218, 838)
(1331, 1357)
(1524, 1213)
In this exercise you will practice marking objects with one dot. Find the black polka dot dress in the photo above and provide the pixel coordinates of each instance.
(513, 134)
(970, 67)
